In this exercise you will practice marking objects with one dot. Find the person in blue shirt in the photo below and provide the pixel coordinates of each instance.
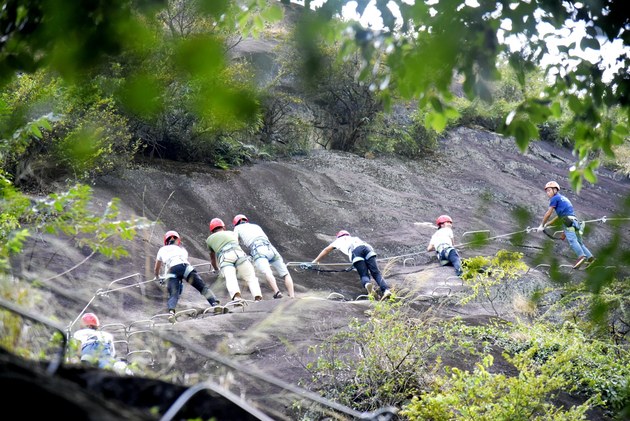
(572, 227)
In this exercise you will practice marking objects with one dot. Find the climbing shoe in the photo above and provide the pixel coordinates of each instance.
(171, 316)
(220, 310)
(277, 294)
(589, 262)
(258, 298)
(386, 294)
(579, 262)
(370, 289)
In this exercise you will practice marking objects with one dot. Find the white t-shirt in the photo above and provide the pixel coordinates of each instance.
(347, 244)
(248, 232)
(442, 236)
(172, 255)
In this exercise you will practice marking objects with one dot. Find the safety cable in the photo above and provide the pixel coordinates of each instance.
(528, 230)
(381, 414)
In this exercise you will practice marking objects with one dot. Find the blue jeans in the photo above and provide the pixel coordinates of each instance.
(575, 242)
(450, 256)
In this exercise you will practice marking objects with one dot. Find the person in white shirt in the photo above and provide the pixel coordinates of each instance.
(263, 253)
(442, 242)
(174, 258)
(363, 258)
(96, 347)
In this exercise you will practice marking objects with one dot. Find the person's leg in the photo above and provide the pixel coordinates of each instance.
(362, 269)
(195, 280)
(283, 272)
(231, 281)
(173, 293)
(585, 250)
(245, 270)
(455, 260)
(262, 264)
(572, 239)
(372, 266)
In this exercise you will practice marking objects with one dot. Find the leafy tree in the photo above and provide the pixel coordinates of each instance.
(431, 43)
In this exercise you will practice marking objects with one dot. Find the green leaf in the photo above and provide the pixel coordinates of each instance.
(273, 14)
(556, 109)
(437, 121)
(589, 43)
(589, 172)
(36, 132)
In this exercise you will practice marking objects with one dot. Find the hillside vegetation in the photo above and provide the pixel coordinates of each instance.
(194, 119)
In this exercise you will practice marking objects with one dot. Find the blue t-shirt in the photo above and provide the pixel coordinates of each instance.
(562, 205)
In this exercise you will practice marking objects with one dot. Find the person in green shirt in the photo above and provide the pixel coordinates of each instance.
(227, 256)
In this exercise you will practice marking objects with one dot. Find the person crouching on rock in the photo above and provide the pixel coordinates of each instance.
(442, 242)
(227, 256)
(363, 258)
(175, 259)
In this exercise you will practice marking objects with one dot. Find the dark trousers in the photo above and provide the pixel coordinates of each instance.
(175, 285)
(368, 266)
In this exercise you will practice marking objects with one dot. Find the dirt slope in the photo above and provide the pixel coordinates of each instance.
(478, 178)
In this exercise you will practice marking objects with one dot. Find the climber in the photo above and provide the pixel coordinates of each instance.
(227, 256)
(572, 227)
(363, 258)
(442, 241)
(263, 253)
(174, 257)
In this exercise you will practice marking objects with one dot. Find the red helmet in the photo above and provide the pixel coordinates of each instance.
(90, 320)
(171, 234)
(552, 184)
(342, 233)
(442, 219)
(238, 218)
(216, 223)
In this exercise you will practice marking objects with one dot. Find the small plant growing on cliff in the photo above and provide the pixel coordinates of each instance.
(487, 275)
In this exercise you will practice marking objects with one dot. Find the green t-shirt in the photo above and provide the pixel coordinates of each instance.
(220, 239)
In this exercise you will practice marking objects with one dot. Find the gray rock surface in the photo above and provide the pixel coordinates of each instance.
(480, 179)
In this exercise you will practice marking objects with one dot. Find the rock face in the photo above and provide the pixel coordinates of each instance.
(478, 178)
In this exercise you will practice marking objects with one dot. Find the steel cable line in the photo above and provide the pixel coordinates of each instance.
(528, 230)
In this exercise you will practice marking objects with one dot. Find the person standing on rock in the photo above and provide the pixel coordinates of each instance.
(174, 257)
(263, 253)
(572, 227)
(363, 258)
(442, 241)
(227, 256)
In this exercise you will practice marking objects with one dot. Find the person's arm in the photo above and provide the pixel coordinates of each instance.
(213, 260)
(431, 246)
(323, 254)
(113, 347)
(547, 216)
(157, 268)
